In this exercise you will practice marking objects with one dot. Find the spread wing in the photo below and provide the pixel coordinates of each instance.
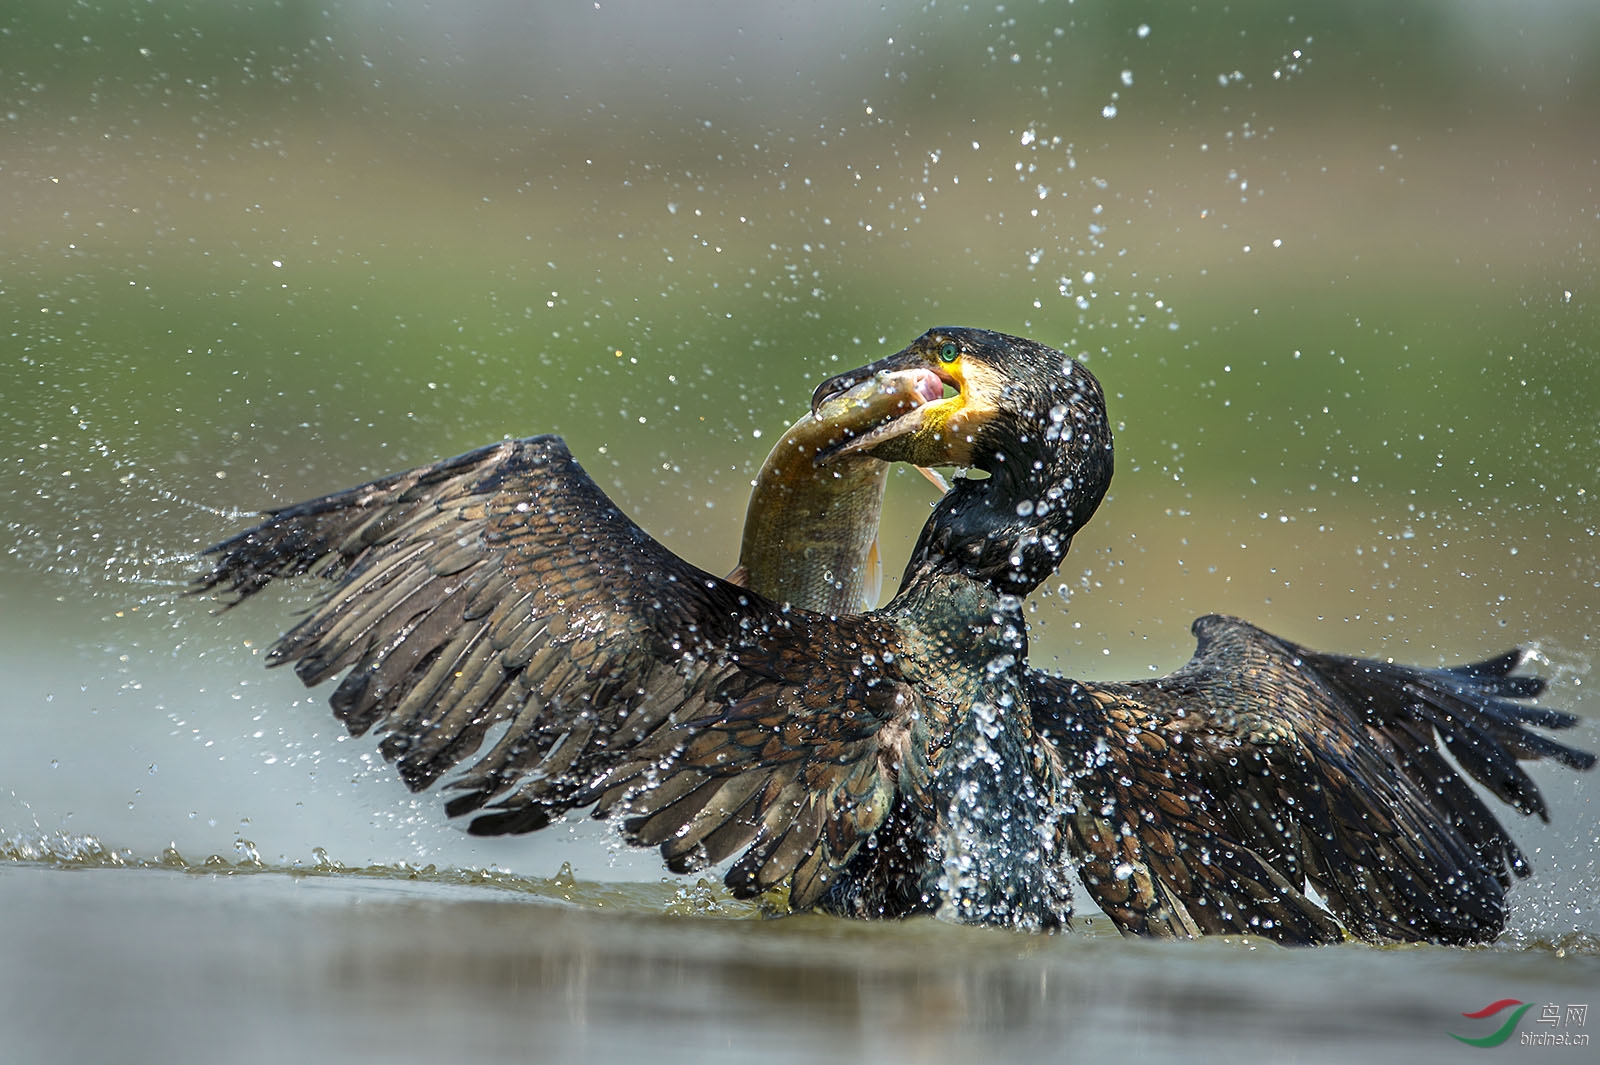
(502, 588)
(1207, 800)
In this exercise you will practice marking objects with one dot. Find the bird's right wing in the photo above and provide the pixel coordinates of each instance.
(503, 589)
(1208, 800)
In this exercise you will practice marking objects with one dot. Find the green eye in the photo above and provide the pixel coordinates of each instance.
(948, 352)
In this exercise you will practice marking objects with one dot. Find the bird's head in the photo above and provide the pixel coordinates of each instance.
(1030, 417)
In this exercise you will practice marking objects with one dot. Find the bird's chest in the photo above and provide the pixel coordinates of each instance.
(995, 804)
(965, 648)
(999, 811)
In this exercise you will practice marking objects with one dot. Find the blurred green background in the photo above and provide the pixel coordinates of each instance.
(1333, 263)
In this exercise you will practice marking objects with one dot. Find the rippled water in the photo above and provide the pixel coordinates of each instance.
(163, 960)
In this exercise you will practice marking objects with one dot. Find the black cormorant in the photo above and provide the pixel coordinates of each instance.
(907, 759)
(1208, 800)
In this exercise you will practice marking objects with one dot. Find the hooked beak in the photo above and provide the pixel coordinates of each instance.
(901, 372)
(901, 362)
(943, 430)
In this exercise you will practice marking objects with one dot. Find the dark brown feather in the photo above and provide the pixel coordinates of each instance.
(1214, 797)
(503, 587)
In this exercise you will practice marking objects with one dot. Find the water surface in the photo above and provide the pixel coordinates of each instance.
(172, 965)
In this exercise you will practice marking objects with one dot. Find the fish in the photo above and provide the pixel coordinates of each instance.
(811, 527)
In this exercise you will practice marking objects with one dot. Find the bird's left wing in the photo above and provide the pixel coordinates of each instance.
(503, 588)
(1208, 800)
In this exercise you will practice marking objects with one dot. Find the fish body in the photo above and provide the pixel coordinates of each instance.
(811, 530)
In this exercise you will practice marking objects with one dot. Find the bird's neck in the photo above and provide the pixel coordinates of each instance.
(1012, 529)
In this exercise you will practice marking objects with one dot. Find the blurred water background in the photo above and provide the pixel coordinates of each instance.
(1335, 265)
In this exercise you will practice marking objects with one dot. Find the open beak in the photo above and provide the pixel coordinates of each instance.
(903, 371)
(906, 361)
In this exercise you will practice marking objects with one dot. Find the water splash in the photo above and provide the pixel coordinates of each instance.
(668, 896)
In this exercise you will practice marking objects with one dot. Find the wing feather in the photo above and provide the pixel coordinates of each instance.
(1261, 769)
(504, 587)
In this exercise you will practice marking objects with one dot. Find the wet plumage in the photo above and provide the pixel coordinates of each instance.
(1205, 800)
(1210, 800)
(497, 612)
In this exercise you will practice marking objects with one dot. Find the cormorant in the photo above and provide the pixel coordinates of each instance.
(1207, 800)
(503, 588)
(907, 759)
